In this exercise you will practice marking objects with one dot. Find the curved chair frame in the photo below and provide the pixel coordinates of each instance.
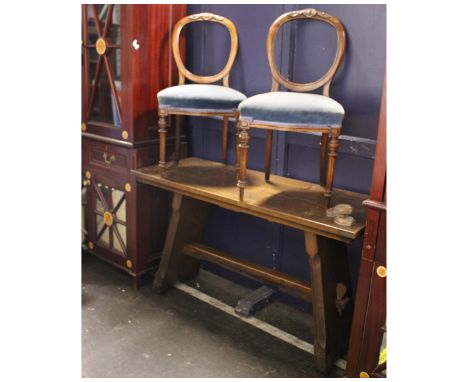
(183, 71)
(326, 177)
(326, 79)
(165, 112)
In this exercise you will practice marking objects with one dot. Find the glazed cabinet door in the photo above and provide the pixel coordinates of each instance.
(107, 220)
(126, 60)
(102, 82)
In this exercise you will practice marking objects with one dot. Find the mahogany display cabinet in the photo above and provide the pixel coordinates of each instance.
(126, 60)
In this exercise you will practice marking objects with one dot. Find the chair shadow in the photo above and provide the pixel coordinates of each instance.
(307, 204)
(312, 204)
(208, 176)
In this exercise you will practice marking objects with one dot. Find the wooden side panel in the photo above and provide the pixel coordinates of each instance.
(150, 67)
(188, 218)
(362, 294)
(370, 311)
(328, 267)
(375, 320)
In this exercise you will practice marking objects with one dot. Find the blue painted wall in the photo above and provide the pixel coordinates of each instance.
(304, 51)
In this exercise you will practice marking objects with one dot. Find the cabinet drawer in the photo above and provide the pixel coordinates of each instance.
(109, 156)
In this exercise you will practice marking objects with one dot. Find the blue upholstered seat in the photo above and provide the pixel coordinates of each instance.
(292, 108)
(198, 96)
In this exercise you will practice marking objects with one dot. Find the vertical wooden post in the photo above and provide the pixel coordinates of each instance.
(225, 138)
(269, 144)
(133, 229)
(323, 157)
(178, 123)
(187, 224)
(162, 123)
(332, 313)
(243, 152)
(333, 146)
(237, 132)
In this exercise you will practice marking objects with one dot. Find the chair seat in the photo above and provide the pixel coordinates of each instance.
(292, 108)
(198, 96)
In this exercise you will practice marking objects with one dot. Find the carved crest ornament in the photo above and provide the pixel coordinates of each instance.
(309, 12)
(206, 16)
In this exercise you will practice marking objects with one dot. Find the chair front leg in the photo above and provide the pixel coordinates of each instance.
(333, 146)
(236, 134)
(243, 152)
(162, 124)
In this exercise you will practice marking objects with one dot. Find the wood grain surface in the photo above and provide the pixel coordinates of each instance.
(287, 201)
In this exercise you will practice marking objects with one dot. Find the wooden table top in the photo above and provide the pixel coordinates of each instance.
(287, 201)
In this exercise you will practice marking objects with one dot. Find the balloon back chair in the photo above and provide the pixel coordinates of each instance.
(294, 110)
(201, 98)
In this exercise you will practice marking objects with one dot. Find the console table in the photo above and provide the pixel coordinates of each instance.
(196, 184)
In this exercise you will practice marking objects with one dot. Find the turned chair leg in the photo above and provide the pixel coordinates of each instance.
(225, 138)
(333, 146)
(236, 134)
(178, 123)
(243, 151)
(162, 124)
(269, 144)
(323, 157)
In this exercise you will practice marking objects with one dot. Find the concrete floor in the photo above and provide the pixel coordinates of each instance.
(128, 333)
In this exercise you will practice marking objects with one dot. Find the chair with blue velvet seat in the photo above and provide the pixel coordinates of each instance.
(295, 110)
(201, 98)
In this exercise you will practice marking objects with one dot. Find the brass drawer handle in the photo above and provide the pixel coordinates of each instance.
(108, 160)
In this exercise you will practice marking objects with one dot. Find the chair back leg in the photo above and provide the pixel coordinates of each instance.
(323, 159)
(178, 123)
(269, 144)
(225, 138)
